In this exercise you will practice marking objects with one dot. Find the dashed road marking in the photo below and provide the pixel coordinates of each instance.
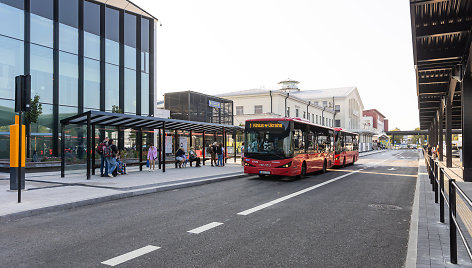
(278, 200)
(130, 255)
(205, 227)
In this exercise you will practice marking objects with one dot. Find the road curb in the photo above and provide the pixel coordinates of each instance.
(412, 251)
(371, 152)
(92, 201)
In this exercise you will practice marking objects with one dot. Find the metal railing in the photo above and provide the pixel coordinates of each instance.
(436, 175)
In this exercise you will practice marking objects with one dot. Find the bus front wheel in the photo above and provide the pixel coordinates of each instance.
(302, 171)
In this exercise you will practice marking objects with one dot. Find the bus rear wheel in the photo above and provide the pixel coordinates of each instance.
(302, 171)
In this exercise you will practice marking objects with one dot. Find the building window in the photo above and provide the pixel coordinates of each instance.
(337, 108)
(296, 112)
(317, 119)
(325, 103)
(304, 115)
(288, 111)
(257, 109)
(239, 110)
(316, 103)
(312, 118)
(337, 123)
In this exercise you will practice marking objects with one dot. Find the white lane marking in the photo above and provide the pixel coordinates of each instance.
(130, 255)
(205, 227)
(278, 200)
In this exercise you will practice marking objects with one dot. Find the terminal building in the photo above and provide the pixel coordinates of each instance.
(81, 55)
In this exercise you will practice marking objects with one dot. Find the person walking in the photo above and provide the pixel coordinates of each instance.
(219, 151)
(213, 148)
(110, 153)
(152, 156)
(103, 161)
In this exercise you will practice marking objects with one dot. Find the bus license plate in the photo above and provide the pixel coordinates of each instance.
(264, 172)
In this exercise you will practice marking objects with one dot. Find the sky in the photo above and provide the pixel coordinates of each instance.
(217, 46)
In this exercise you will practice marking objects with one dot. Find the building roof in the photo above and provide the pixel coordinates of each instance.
(128, 6)
(245, 92)
(374, 110)
(324, 93)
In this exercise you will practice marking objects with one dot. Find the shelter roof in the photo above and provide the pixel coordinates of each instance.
(138, 121)
(441, 32)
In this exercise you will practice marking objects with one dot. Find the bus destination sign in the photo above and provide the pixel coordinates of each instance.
(266, 125)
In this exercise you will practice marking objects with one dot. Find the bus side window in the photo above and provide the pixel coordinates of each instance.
(311, 142)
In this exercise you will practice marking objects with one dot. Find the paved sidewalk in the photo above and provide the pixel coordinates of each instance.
(371, 152)
(47, 191)
(433, 236)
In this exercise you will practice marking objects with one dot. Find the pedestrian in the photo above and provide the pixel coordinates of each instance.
(103, 161)
(110, 153)
(192, 156)
(152, 156)
(213, 148)
(242, 154)
(219, 151)
(180, 157)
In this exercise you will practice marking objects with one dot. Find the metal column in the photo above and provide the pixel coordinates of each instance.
(448, 133)
(139, 142)
(234, 145)
(160, 148)
(203, 146)
(63, 144)
(467, 125)
(163, 147)
(190, 134)
(226, 147)
(88, 146)
(440, 134)
(93, 149)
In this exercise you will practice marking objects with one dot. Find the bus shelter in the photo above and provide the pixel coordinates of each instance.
(161, 126)
(441, 35)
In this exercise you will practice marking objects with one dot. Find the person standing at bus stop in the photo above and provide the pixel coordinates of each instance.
(152, 156)
(103, 162)
(213, 148)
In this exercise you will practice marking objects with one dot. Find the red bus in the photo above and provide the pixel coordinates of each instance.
(346, 147)
(287, 147)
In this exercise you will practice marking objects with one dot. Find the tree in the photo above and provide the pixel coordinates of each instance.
(116, 109)
(31, 117)
(417, 139)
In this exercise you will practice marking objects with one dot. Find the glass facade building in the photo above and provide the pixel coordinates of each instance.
(82, 55)
(194, 106)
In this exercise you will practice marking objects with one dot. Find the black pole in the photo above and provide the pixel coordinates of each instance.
(140, 148)
(436, 181)
(63, 144)
(164, 147)
(203, 146)
(20, 170)
(448, 133)
(88, 146)
(234, 145)
(224, 145)
(190, 143)
(452, 225)
(93, 149)
(160, 149)
(441, 197)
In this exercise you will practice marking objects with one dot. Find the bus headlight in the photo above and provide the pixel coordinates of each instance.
(246, 164)
(289, 164)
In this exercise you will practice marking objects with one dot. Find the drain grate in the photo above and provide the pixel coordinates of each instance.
(384, 207)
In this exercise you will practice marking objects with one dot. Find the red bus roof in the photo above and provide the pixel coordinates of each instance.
(342, 130)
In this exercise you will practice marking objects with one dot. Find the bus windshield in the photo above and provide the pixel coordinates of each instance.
(268, 140)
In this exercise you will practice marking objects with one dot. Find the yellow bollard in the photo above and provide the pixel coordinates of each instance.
(14, 151)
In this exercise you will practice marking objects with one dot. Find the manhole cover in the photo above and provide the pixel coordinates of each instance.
(384, 207)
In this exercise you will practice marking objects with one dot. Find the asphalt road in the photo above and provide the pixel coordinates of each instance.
(353, 217)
